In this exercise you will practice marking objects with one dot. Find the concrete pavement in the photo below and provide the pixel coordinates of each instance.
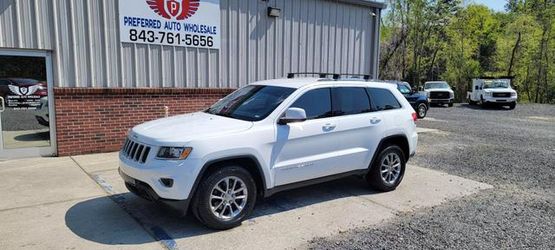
(81, 202)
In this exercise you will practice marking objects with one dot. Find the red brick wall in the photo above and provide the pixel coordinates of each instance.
(94, 120)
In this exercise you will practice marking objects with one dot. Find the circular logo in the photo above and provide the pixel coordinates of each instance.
(174, 9)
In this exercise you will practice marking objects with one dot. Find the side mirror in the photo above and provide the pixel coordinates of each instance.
(414, 89)
(293, 115)
(420, 88)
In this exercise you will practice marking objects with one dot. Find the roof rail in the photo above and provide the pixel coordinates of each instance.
(335, 76)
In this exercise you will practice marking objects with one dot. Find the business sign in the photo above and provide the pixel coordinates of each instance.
(23, 97)
(186, 23)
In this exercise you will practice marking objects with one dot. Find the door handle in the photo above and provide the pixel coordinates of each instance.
(3, 104)
(375, 120)
(329, 127)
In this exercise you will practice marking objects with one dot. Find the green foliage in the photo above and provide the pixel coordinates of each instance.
(444, 40)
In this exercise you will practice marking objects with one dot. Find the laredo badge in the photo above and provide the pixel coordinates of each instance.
(178, 9)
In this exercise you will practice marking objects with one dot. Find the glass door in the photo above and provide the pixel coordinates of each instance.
(27, 127)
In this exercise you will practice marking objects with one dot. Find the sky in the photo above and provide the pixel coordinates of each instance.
(498, 5)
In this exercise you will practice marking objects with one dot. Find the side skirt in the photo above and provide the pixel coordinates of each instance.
(300, 184)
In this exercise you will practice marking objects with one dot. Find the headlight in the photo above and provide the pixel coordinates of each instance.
(513, 94)
(451, 95)
(174, 153)
(488, 93)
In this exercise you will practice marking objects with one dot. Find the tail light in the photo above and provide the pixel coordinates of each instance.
(414, 116)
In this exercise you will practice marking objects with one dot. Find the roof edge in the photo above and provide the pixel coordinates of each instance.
(368, 3)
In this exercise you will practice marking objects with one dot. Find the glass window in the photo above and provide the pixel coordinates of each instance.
(351, 100)
(436, 85)
(496, 84)
(404, 89)
(383, 99)
(251, 103)
(316, 103)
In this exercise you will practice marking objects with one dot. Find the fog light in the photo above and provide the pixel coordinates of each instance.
(167, 182)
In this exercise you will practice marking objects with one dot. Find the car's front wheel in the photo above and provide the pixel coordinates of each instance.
(388, 169)
(422, 110)
(225, 198)
(512, 105)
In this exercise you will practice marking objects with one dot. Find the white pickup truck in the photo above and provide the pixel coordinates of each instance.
(496, 91)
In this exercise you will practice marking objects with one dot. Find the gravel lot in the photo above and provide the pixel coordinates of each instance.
(17, 120)
(512, 150)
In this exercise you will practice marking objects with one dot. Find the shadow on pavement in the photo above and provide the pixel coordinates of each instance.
(91, 220)
(38, 136)
(486, 107)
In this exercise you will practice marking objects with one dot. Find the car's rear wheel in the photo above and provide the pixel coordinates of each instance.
(422, 110)
(388, 169)
(225, 198)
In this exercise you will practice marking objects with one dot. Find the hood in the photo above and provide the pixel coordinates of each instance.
(439, 90)
(185, 128)
(506, 90)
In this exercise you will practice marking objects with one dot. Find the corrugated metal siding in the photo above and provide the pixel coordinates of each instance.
(311, 35)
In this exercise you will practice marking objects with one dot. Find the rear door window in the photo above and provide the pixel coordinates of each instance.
(316, 103)
(350, 101)
(383, 99)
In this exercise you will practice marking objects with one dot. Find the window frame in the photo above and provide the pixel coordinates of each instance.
(308, 91)
(336, 111)
(374, 107)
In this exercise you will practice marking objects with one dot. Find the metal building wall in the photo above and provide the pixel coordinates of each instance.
(310, 35)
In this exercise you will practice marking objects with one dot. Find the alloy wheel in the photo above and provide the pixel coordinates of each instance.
(390, 169)
(228, 198)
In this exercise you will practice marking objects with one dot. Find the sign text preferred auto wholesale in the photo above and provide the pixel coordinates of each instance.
(185, 23)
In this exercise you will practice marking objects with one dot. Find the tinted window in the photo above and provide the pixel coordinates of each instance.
(383, 99)
(251, 103)
(350, 101)
(316, 103)
(404, 89)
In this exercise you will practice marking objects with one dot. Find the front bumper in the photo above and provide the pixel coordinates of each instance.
(143, 190)
(441, 101)
(183, 174)
(504, 100)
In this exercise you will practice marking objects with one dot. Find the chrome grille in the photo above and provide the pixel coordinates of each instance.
(501, 94)
(135, 151)
(439, 95)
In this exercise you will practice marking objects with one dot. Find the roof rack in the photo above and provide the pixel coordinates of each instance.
(335, 76)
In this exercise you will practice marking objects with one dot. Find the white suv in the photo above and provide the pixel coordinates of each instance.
(268, 137)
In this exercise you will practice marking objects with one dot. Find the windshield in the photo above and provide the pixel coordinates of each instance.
(251, 103)
(496, 84)
(436, 85)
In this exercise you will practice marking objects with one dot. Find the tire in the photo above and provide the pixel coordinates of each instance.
(421, 110)
(472, 103)
(389, 156)
(209, 210)
(512, 105)
(450, 105)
